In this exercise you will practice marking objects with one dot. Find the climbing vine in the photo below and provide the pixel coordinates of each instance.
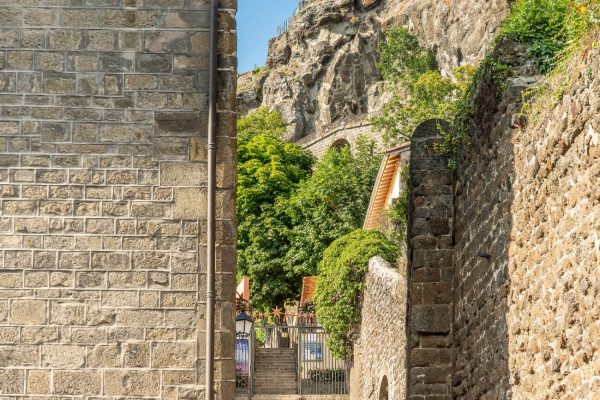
(340, 284)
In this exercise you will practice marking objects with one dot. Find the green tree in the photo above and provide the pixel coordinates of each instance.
(329, 204)
(341, 283)
(269, 171)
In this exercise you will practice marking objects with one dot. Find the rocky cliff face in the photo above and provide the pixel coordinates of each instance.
(321, 73)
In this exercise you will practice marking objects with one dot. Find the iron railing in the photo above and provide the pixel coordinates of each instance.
(318, 371)
(283, 27)
(242, 362)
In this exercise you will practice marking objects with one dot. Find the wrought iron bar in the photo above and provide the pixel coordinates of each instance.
(318, 372)
(283, 27)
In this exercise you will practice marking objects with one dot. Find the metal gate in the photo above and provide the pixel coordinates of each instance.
(313, 368)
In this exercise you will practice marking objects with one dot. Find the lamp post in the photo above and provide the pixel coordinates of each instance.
(243, 323)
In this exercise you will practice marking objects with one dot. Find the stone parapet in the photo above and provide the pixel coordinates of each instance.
(430, 268)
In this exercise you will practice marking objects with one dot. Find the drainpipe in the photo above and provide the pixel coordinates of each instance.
(211, 222)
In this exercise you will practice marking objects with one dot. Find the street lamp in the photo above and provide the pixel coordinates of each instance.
(243, 323)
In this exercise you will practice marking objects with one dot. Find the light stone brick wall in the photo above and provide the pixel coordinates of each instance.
(318, 144)
(103, 109)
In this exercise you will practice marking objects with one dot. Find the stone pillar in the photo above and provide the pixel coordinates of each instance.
(430, 268)
(103, 198)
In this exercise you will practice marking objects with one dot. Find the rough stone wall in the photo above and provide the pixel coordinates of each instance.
(103, 198)
(527, 249)
(481, 283)
(554, 255)
(430, 268)
(377, 353)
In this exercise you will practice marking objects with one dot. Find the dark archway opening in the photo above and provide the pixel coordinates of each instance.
(383, 389)
(340, 144)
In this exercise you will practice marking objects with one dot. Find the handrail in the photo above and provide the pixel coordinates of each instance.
(283, 27)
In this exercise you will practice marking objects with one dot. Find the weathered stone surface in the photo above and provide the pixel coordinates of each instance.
(378, 352)
(321, 73)
(100, 101)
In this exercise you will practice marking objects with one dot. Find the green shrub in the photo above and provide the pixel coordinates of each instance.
(327, 375)
(549, 27)
(341, 283)
(402, 54)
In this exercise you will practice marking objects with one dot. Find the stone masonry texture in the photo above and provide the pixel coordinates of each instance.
(377, 355)
(430, 268)
(103, 126)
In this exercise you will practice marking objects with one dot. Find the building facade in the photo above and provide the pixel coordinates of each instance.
(103, 170)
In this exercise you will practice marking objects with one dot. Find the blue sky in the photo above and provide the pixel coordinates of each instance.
(257, 23)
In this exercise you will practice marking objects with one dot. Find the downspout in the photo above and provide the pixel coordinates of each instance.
(211, 220)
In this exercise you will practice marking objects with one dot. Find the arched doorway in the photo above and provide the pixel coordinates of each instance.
(340, 144)
(383, 389)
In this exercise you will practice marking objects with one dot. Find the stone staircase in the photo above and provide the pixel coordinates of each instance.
(276, 371)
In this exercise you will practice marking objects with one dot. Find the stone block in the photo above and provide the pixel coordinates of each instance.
(49, 61)
(104, 40)
(38, 381)
(116, 62)
(132, 383)
(110, 261)
(65, 40)
(136, 355)
(28, 312)
(76, 383)
(153, 63)
(183, 174)
(63, 356)
(173, 355)
(18, 356)
(12, 381)
(67, 313)
(190, 203)
(431, 318)
(135, 318)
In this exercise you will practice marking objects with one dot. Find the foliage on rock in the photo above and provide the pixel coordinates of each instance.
(549, 27)
(418, 91)
(269, 171)
(340, 284)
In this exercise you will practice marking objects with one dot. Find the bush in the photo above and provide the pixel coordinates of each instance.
(549, 27)
(340, 284)
(327, 375)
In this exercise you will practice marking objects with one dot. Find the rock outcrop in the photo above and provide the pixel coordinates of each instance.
(321, 74)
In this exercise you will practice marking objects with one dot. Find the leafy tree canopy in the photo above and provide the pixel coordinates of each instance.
(329, 204)
(269, 171)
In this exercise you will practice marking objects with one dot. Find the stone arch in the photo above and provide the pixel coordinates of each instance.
(340, 144)
(383, 389)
